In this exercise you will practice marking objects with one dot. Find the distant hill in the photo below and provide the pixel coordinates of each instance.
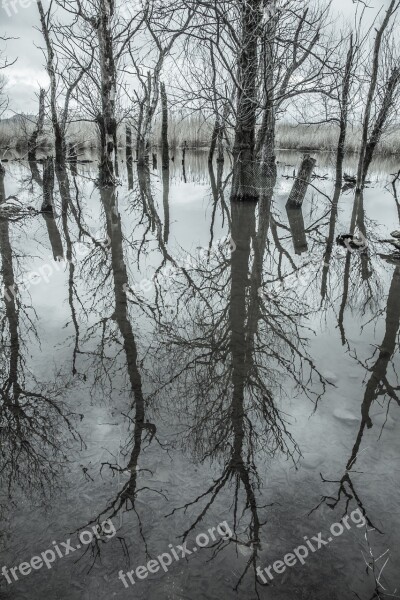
(18, 119)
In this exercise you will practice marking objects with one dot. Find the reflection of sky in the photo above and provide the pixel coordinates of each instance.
(28, 73)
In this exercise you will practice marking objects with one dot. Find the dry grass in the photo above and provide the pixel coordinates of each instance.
(197, 133)
(325, 137)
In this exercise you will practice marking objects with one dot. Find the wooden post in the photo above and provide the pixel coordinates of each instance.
(303, 179)
(296, 222)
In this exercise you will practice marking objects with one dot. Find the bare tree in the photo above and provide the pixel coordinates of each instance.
(368, 143)
(99, 29)
(70, 78)
(164, 29)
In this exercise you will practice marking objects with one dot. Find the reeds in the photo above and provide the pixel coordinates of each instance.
(196, 132)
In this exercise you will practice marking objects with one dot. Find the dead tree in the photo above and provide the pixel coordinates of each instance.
(99, 32)
(164, 33)
(363, 159)
(345, 90)
(390, 91)
(294, 56)
(70, 75)
(4, 63)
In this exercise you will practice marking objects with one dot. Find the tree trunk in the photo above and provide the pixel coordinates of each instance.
(165, 179)
(48, 185)
(214, 139)
(265, 147)
(164, 127)
(128, 143)
(32, 142)
(301, 184)
(2, 188)
(244, 173)
(106, 120)
(345, 96)
(59, 134)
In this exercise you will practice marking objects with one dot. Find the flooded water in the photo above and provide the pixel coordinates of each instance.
(199, 389)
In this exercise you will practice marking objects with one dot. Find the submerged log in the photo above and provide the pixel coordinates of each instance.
(302, 182)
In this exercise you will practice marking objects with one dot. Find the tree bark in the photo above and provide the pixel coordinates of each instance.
(244, 173)
(164, 127)
(108, 79)
(265, 147)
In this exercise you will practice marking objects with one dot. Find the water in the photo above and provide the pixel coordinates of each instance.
(193, 363)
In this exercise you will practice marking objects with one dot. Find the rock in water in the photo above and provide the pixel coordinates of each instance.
(345, 415)
(330, 377)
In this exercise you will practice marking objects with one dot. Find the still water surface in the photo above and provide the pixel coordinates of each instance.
(193, 362)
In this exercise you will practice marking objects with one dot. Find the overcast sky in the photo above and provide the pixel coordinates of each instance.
(19, 18)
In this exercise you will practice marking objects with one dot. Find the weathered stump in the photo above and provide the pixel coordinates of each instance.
(302, 182)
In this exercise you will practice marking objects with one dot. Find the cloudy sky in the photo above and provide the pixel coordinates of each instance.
(19, 19)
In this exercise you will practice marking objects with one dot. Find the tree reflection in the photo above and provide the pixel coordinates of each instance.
(377, 387)
(118, 329)
(35, 425)
(226, 361)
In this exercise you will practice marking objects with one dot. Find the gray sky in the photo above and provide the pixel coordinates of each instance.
(19, 18)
